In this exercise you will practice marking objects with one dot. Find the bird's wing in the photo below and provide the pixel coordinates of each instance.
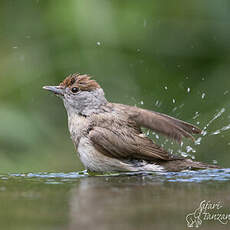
(164, 124)
(124, 143)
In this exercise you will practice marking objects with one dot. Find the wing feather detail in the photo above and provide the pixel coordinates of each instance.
(126, 145)
(161, 123)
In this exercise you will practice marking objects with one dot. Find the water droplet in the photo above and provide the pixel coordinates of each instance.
(203, 95)
(170, 151)
(142, 103)
(184, 154)
(204, 133)
(158, 103)
(174, 109)
(190, 149)
(198, 141)
(226, 127)
(166, 88)
(98, 43)
(216, 116)
(196, 115)
(216, 132)
(188, 90)
(221, 130)
(174, 101)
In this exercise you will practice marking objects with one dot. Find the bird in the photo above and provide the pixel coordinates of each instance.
(108, 137)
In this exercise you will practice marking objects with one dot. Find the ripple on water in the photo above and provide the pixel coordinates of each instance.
(180, 177)
(50, 178)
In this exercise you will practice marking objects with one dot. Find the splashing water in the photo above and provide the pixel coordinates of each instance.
(196, 115)
(183, 154)
(198, 141)
(190, 149)
(221, 130)
(187, 151)
(158, 103)
(215, 117)
(174, 109)
(205, 129)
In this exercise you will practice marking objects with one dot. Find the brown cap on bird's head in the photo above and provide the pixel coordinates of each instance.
(82, 82)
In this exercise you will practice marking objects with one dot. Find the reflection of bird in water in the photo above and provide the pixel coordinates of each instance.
(110, 203)
(130, 203)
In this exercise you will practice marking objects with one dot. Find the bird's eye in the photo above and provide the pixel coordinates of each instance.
(74, 89)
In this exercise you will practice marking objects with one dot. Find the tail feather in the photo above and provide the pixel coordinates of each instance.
(186, 164)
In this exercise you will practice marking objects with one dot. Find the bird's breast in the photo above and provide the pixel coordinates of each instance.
(78, 126)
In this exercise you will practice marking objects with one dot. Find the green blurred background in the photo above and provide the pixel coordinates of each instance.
(168, 56)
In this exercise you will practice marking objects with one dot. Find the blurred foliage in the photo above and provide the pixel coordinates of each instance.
(143, 53)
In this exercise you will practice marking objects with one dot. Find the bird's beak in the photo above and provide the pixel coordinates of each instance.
(55, 89)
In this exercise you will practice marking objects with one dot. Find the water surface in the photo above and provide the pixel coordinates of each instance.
(78, 200)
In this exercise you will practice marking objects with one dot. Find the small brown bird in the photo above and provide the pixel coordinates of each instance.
(108, 136)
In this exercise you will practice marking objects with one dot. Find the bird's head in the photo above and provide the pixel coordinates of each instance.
(80, 94)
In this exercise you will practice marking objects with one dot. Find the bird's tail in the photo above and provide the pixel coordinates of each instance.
(186, 164)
